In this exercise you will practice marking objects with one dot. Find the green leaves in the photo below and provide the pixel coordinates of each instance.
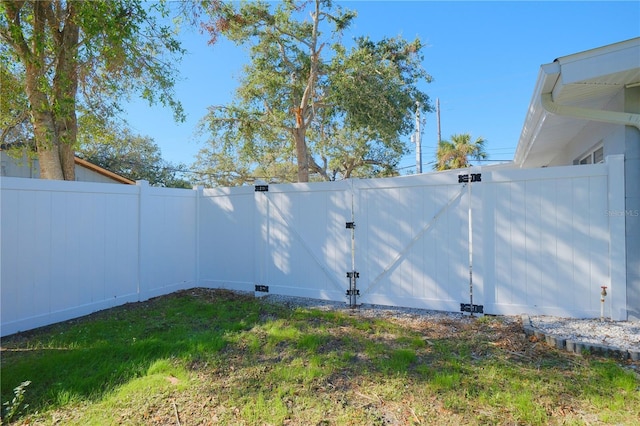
(455, 154)
(104, 143)
(87, 56)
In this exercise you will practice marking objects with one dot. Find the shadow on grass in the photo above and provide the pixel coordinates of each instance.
(86, 358)
(266, 360)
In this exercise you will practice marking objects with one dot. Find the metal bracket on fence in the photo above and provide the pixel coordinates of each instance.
(475, 177)
(474, 309)
(351, 225)
(262, 188)
(353, 292)
(262, 288)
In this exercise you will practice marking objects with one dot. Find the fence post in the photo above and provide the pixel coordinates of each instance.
(199, 190)
(479, 234)
(262, 236)
(617, 245)
(143, 239)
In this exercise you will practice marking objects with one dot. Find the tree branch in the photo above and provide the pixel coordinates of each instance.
(13, 34)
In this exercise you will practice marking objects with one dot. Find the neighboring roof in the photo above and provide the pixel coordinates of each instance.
(589, 80)
(84, 163)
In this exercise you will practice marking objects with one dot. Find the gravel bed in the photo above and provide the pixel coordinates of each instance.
(623, 335)
(365, 310)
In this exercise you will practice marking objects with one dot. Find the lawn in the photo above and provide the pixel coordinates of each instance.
(203, 357)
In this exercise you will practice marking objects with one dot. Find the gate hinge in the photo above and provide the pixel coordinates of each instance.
(474, 309)
(262, 288)
(475, 177)
(262, 188)
(353, 274)
(351, 225)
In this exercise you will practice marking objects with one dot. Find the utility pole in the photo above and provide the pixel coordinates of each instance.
(469, 177)
(438, 117)
(418, 140)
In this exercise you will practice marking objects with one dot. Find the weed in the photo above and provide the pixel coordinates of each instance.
(310, 342)
(446, 380)
(15, 406)
(398, 361)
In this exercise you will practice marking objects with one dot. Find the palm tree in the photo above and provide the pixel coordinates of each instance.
(455, 154)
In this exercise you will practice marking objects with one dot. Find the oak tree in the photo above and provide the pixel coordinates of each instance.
(84, 57)
(307, 101)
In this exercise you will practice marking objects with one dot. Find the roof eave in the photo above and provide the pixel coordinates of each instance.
(103, 172)
(569, 72)
(536, 114)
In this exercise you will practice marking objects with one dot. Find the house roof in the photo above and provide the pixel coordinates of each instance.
(79, 162)
(587, 80)
(87, 165)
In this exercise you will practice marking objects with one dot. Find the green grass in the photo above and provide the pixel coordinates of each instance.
(213, 356)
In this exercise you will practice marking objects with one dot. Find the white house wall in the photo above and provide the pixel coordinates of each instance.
(29, 168)
(593, 134)
(85, 175)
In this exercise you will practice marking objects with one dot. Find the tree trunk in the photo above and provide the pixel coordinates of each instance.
(65, 88)
(43, 128)
(52, 103)
(301, 154)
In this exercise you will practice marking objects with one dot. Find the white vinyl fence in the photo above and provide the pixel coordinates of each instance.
(543, 242)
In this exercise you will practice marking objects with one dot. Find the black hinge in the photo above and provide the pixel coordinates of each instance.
(351, 274)
(355, 292)
(262, 188)
(474, 309)
(475, 177)
(262, 288)
(351, 225)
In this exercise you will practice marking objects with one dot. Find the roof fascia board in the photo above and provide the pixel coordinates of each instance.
(615, 58)
(87, 165)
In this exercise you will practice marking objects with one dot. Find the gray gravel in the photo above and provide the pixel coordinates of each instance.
(620, 334)
(365, 310)
(624, 335)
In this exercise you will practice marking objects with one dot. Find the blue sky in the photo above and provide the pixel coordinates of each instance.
(484, 58)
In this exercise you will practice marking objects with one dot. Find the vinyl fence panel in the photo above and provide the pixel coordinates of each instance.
(304, 247)
(226, 238)
(68, 249)
(167, 240)
(413, 242)
(551, 240)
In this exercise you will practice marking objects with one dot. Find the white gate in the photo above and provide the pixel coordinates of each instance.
(302, 247)
(397, 241)
(412, 242)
